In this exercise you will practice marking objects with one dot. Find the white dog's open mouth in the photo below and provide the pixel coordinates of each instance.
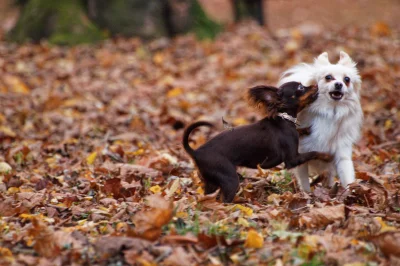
(336, 95)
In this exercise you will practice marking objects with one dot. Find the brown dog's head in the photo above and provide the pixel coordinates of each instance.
(289, 96)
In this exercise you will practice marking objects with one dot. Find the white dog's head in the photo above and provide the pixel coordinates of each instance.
(339, 84)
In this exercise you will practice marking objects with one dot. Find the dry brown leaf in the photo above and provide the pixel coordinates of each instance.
(180, 257)
(109, 246)
(45, 243)
(148, 223)
(321, 217)
(179, 239)
(388, 243)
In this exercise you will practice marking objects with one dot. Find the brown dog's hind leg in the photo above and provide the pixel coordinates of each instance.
(229, 182)
(229, 189)
(210, 188)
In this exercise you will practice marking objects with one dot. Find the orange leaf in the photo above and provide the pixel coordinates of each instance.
(254, 239)
(148, 223)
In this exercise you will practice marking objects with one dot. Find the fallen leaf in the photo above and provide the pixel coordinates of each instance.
(108, 246)
(15, 84)
(91, 158)
(254, 239)
(148, 223)
(321, 217)
(44, 239)
(245, 210)
(180, 257)
(155, 189)
(178, 239)
(380, 29)
(5, 168)
(388, 243)
(174, 92)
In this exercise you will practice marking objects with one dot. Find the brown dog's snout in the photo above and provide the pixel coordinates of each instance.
(309, 97)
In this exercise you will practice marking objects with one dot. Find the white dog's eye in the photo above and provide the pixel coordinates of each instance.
(346, 79)
(328, 77)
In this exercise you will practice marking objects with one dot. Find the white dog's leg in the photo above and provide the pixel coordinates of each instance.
(301, 173)
(344, 166)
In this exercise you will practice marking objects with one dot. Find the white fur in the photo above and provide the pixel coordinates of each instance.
(335, 125)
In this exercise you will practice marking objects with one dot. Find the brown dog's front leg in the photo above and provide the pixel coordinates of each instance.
(306, 131)
(308, 156)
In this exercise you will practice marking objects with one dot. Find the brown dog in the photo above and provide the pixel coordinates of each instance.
(268, 142)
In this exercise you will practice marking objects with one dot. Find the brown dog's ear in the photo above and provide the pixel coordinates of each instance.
(264, 98)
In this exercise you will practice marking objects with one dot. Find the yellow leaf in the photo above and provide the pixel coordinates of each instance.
(174, 92)
(5, 252)
(138, 152)
(103, 229)
(16, 84)
(91, 158)
(52, 162)
(182, 215)
(235, 258)
(2, 118)
(26, 189)
(388, 124)
(200, 191)
(355, 264)
(254, 239)
(29, 241)
(243, 222)
(239, 121)
(377, 159)
(82, 222)
(26, 216)
(158, 58)
(291, 46)
(121, 226)
(7, 131)
(155, 189)
(384, 226)
(144, 262)
(245, 210)
(12, 190)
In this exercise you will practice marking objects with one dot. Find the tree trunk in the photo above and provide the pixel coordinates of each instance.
(67, 22)
(62, 22)
(143, 18)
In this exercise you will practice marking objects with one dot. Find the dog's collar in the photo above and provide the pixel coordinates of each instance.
(288, 117)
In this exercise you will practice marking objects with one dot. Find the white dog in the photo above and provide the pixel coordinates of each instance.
(335, 117)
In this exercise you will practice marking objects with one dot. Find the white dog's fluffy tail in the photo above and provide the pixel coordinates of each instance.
(303, 73)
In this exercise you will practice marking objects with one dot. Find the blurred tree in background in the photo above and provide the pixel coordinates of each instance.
(81, 21)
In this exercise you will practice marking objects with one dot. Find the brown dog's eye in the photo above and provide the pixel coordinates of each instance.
(300, 88)
(346, 79)
(328, 77)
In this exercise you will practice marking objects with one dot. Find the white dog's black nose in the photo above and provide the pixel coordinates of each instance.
(338, 86)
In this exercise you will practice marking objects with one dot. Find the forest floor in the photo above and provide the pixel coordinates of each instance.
(93, 172)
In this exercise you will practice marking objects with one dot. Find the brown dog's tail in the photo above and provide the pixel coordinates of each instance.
(188, 130)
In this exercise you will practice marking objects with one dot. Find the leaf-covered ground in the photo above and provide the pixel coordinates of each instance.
(93, 172)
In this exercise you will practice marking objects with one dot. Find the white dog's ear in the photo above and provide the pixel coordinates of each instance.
(345, 59)
(323, 58)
